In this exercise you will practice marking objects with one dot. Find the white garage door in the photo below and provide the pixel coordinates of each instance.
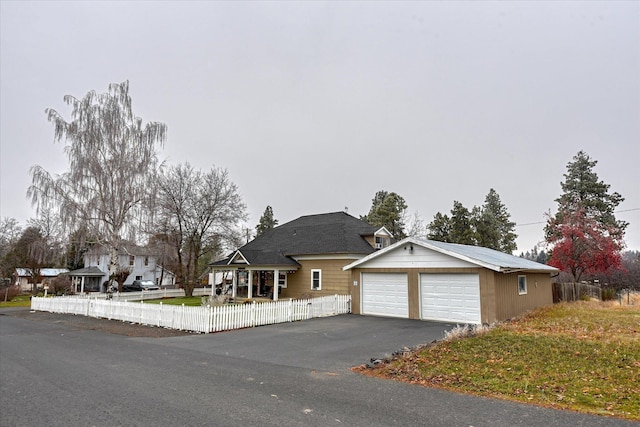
(385, 294)
(450, 297)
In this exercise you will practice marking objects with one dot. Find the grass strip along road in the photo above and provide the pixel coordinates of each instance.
(582, 356)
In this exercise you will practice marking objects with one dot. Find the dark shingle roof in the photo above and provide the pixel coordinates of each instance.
(87, 271)
(331, 233)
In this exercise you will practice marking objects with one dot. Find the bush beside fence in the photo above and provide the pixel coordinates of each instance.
(198, 319)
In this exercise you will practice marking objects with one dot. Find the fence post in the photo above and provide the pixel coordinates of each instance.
(252, 320)
(182, 318)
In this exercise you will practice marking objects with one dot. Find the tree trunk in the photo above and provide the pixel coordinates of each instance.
(188, 289)
(113, 265)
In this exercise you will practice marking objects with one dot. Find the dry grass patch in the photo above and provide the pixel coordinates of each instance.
(583, 356)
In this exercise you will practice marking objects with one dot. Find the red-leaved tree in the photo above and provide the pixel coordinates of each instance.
(582, 245)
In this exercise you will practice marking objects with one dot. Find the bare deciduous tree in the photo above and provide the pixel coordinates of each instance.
(202, 211)
(112, 163)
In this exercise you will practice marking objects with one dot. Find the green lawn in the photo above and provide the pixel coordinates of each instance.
(583, 356)
(18, 301)
(191, 301)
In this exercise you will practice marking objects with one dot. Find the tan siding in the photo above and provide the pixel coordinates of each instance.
(371, 240)
(509, 304)
(487, 296)
(334, 280)
(499, 299)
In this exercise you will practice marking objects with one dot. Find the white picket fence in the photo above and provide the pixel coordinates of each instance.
(198, 319)
(146, 295)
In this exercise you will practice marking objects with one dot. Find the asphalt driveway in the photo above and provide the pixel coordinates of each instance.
(69, 372)
(330, 343)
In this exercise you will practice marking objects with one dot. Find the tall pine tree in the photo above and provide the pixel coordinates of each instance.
(582, 190)
(585, 236)
(387, 210)
(494, 228)
(488, 225)
(266, 222)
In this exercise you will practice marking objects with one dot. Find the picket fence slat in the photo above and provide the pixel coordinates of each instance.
(203, 319)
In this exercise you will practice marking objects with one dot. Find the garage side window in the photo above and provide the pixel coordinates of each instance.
(522, 285)
(316, 280)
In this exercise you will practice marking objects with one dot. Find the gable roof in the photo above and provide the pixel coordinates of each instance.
(483, 257)
(88, 271)
(330, 233)
(126, 248)
(44, 272)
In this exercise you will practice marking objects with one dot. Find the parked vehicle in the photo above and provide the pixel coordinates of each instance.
(134, 287)
(147, 285)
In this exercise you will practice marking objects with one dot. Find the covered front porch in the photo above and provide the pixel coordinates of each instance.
(251, 282)
(87, 280)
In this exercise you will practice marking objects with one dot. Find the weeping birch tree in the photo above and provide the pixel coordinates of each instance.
(200, 212)
(112, 164)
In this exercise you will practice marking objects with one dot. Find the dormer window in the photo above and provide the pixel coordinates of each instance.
(382, 242)
(382, 238)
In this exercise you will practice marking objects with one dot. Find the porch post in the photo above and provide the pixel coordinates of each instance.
(250, 284)
(234, 284)
(82, 285)
(276, 279)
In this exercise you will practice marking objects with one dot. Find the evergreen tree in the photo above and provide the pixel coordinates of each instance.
(461, 225)
(488, 225)
(440, 228)
(582, 190)
(585, 236)
(493, 226)
(267, 221)
(387, 210)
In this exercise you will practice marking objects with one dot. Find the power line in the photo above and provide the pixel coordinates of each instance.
(544, 222)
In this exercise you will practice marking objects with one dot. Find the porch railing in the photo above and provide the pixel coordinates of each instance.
(197, 319)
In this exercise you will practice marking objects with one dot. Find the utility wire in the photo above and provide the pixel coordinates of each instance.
(544, 222)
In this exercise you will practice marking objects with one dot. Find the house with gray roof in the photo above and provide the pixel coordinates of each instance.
(140, 263)
(336, 253)
(302, 258)
(24, 277)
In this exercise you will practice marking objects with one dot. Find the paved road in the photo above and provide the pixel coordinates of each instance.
(286, 375)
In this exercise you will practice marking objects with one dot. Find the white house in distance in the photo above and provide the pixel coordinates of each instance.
(141, 263)
(23, 277)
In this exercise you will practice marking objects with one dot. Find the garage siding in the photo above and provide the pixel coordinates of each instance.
(385, 294)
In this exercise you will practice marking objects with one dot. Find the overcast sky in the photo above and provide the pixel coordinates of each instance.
(314, 106)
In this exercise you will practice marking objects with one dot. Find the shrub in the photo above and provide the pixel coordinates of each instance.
(608, 294)
(9, 292)
(60, 285)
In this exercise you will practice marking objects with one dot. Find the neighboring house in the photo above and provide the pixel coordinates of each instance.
(305, 257)
(24, 277)
(140, 262)
(424, 279)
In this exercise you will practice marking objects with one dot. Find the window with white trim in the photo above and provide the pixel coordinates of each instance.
(382, 242)
(132, 260)
(522, 285)
(282, 280)
(316, 280)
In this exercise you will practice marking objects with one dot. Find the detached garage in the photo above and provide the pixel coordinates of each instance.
(429, 280)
